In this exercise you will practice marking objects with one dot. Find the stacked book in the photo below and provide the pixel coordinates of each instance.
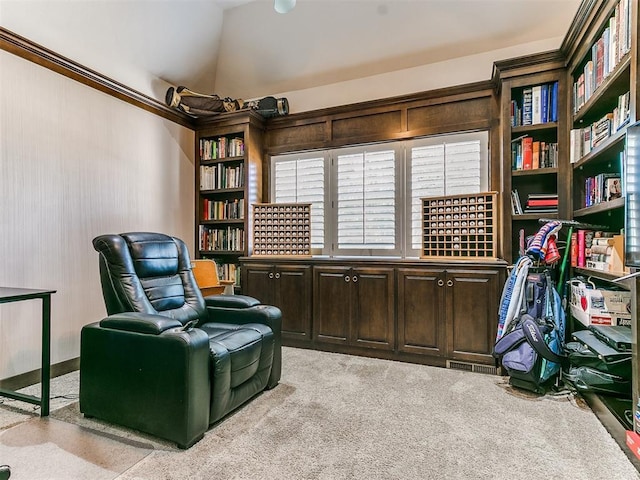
(542, 203)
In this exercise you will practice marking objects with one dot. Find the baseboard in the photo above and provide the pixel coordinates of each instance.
(31, 378)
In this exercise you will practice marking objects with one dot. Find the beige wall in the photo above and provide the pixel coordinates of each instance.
(76, 163)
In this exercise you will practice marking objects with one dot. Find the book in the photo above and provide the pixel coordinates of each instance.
(544, 103)
(583, 239)
(553, 100)
(536, 104)
(574, 249)
(527, 107)
(535, 156)
(527, 153)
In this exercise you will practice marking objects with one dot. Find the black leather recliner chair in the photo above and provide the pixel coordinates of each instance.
(167, 361)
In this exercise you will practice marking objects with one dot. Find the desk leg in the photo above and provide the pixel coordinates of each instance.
(46, 356)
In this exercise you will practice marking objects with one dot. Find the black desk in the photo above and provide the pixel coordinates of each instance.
(8, 295)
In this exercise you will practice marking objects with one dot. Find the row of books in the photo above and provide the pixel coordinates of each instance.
(212, 238)
(213, 177)
(536, 203)
(597, 250)
(583, 140)
(228, 271)
(538, 104)
(604, 187)
(223, 210)
(530, 154)
(222, 147)
(606, 53)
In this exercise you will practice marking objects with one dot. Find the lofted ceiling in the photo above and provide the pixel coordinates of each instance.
(244, 49)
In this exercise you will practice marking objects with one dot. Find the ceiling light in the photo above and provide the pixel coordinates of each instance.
(284, 6)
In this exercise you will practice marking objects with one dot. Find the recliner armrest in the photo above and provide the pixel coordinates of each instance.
(231, 301)
(140, 323)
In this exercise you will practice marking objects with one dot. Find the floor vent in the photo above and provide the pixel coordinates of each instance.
(472, 367)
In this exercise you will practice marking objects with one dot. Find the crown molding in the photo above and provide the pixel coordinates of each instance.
(24, 48)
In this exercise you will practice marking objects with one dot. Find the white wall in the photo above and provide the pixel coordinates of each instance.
(76, 163)
(457, 71)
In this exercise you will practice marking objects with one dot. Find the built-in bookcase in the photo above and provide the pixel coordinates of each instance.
(228, 183)
(533, 103)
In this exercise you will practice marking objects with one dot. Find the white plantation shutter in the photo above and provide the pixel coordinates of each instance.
(302, 180)
(366, 200)
(443, 166)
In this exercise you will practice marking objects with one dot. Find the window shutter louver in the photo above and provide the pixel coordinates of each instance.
(366, 200)
(302, 181)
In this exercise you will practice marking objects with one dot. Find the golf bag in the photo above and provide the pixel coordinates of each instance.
(532, 322)
(199, 104)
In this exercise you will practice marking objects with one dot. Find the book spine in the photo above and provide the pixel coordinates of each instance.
(527, 153)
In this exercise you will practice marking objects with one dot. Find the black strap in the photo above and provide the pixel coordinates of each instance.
(535, 337)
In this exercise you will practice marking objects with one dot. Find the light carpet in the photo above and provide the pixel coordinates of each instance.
(344, 417)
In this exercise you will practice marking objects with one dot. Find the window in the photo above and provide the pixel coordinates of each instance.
(443, 165)
(367, 200)
(301, 179)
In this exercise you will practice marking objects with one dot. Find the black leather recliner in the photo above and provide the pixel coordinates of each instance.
(167, 361)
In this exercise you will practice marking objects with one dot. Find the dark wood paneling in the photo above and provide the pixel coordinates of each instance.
(297, 136)
(378, 125)
(454, 116)
(465, 107)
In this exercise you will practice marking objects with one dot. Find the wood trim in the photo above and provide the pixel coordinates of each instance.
(515, 67)
(21, 47)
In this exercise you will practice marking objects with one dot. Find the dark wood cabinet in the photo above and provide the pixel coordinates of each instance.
(448, 312)
(286, 286)
(472, 298)
(409, 310)
(354, 306)
(421, 318)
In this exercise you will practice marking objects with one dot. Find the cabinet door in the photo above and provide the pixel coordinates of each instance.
(372, 323)
(421, 315)
(293, 297)
(258, 282)
(331, 304)
(472, 311)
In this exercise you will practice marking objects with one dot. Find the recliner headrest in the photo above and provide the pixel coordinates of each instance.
(153, 254)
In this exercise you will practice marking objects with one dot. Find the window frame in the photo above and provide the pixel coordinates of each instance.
(403, 197)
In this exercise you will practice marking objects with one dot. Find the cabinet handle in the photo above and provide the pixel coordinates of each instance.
(449, 283)
(277, 275)
(440, 283)
(347, 278)
(355, 279)
(271, 275)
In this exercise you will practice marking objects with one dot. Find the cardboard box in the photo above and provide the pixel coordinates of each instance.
(633, 442)
(593, 306)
